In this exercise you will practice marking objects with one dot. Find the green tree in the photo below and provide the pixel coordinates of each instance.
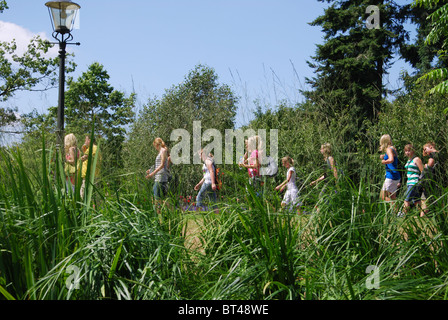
(200, 97)
(438, 34)
(419, 53)
(91, 99)
(31, 71)
(27, 71)
(352, 61)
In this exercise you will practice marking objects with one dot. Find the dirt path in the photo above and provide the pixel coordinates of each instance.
(192, 232)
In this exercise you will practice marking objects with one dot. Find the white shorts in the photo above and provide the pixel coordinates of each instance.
(390, 185)
(291, 198)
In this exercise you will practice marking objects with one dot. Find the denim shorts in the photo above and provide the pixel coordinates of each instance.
(413, 194)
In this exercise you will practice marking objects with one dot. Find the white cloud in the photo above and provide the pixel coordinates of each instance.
(10, 31)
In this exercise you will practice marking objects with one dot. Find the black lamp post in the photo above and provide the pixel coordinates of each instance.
(62, 14)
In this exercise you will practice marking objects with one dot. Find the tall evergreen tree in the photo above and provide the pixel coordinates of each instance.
(352, 61)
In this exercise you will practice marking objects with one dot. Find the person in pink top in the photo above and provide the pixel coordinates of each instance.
(253, 163)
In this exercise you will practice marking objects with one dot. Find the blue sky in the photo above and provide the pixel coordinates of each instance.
(259, 47)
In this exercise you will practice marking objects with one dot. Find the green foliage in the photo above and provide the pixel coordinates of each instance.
(200, 97)
(25, 72)
(34, 70)
(352, 61)
(438, 34)
(92, 100)
(416, 118)
(437, 75)
(3, 5)
(91, 96)
(120, 249)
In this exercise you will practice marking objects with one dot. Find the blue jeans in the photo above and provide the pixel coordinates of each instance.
(206, 190)
(160, 190)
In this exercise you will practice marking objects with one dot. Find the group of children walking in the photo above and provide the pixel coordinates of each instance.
(252, 159)
(421, 178)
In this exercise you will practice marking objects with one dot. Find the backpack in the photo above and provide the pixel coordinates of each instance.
(218, 180)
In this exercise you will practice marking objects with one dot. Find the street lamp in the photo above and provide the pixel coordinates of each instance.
(62, 14)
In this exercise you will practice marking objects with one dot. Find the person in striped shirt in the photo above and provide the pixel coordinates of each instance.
(414, 167)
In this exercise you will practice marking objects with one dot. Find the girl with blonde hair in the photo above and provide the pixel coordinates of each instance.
(390, 161)
(72, 158)
(160, 172)
(325, 150)
(253, 164)
(208, 184)
(253, 157)
(290, 198)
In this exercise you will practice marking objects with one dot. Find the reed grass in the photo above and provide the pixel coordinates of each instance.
(113, 244)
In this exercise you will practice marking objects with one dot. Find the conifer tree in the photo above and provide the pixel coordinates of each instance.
(357, 52)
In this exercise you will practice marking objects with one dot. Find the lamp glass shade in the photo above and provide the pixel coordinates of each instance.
(63, 14)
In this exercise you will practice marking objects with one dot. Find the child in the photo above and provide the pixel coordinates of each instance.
(390, 160)
(253, 164)
(429, 149)
(208, 183)
(431, 175)
(86, 150)
(329, 171)
(72, 159)
(325, 150)
(291, 198)
(414, 167)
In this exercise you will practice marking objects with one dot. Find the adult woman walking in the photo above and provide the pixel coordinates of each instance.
(160, 172)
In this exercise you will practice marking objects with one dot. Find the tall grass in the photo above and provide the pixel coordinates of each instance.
(113, 244)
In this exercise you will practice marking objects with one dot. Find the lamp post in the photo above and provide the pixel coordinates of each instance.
(62, 14)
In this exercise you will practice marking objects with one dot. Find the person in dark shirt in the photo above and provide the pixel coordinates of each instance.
(431, 176)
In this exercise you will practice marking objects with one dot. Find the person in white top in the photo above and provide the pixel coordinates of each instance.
(291, 197)
(207, 185)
